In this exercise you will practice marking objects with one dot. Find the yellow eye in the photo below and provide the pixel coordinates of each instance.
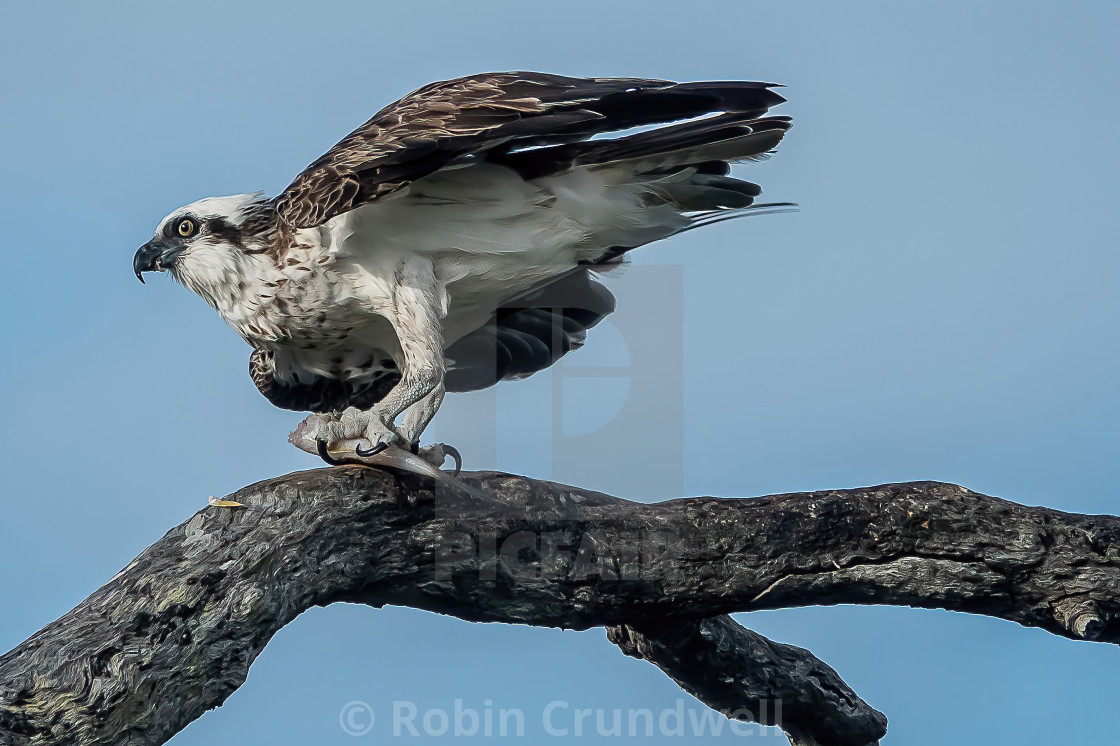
(186, 227)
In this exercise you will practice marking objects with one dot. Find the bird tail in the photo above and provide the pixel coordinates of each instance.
(676, 168)
(681, 172)
(685, 165)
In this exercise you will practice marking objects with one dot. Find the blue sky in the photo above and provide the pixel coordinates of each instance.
(943, 306)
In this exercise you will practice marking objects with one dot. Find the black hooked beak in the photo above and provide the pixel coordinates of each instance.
(151, 257)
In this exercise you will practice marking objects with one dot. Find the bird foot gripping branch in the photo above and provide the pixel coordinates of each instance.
(426, 462)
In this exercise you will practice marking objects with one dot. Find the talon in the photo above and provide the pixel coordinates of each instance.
(369, 453)
(321, 447)
(453, 452)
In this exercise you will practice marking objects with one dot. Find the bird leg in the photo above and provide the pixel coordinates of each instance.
(418, 304)
(415, 309)
(416, 417)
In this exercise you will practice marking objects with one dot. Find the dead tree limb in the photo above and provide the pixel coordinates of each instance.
(748, 677)
(174, 633)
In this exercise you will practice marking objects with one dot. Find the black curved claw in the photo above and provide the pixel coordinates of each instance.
(372, 451)
(321, 448)
(453, 452)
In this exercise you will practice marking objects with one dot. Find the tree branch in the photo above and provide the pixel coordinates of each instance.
(174, 633)
(748, 677)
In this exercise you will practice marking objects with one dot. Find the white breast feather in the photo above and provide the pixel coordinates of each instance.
(490, 236)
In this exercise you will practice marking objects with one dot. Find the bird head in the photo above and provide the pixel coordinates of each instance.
(203, 244)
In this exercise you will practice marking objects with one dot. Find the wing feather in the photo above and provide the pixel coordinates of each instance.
(529, 333)
(441, 122)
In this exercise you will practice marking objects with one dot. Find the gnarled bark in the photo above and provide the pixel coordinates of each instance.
(174, 633)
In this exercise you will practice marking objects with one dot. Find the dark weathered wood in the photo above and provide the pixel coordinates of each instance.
(174, 633)
(748, 677)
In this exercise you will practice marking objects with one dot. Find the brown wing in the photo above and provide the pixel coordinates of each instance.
(495, 112)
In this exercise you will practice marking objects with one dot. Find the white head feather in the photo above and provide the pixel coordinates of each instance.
(209, 264)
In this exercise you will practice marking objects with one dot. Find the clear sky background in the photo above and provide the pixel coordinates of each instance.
(944, 306)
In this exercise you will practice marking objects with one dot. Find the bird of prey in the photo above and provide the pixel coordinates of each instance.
(451, 241)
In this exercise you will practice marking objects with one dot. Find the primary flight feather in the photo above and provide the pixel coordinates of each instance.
(449, 242)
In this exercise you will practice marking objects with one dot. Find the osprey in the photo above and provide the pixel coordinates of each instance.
(450, 241)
